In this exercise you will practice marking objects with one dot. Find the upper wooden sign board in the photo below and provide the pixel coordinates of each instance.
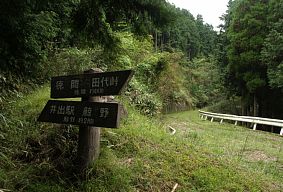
(85, 85)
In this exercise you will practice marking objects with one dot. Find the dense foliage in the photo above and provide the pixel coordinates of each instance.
(42, 39)
(30, 30)
(252, 55)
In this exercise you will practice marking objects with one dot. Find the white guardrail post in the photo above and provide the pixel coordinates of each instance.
(248, 119)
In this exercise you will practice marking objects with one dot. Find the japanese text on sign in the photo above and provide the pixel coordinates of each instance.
(96, 84)
(104, 82)
(81, 113)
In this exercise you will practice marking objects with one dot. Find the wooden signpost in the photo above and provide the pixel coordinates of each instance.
(90, 113)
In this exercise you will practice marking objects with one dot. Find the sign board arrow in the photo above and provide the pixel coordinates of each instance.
(85, 85)
(81, 113)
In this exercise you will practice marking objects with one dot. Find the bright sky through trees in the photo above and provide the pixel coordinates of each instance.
(211, 10)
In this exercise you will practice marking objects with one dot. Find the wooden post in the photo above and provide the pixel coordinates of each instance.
(89, 137)
(281, 132)
(211, 119)
(221, 121)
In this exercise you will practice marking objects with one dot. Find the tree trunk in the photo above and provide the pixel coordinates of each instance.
(255, 106)
(156, 39)
(243, 108)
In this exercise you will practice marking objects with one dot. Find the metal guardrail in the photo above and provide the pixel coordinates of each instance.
(254, 120)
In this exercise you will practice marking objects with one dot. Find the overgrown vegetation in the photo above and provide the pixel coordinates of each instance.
(41, 40)
(180, 63)
(144, 156)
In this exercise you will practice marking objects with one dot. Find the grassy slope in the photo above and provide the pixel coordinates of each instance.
(140, 156)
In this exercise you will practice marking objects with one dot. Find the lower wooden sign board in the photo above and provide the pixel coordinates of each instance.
(81, 113)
